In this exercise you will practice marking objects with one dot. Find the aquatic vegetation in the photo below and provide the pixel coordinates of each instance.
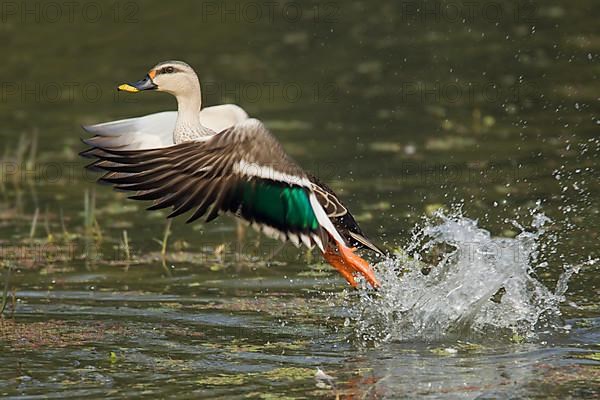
(7, 275)
(18, 335)
(165, 241)
(589, 356)
(273, 375)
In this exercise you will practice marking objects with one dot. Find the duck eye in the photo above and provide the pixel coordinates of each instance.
(168, 70)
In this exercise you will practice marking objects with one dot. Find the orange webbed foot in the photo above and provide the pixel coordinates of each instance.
(348, 264)
(337, 262)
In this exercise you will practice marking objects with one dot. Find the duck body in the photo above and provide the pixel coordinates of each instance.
(219, 161)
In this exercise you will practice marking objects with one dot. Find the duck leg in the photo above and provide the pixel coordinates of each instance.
(349, 264)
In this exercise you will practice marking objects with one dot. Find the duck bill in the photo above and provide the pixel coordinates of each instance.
(144, 84)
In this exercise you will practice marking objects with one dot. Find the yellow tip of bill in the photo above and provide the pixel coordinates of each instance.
(127, 88)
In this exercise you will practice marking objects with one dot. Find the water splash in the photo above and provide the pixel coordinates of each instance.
(476, 284)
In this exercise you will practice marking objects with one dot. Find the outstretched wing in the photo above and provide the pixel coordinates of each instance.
(342, 219)
(242, 170)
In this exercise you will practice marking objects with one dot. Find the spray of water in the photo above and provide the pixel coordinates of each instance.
(475, 285)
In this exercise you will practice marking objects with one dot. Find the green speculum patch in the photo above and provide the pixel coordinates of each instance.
(279, 205)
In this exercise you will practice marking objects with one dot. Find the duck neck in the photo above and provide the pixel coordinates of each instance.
(188, 126)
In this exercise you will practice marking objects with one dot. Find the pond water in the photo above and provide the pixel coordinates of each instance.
(464, 138)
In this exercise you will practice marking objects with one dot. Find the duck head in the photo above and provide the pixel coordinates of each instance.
(174, 77)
